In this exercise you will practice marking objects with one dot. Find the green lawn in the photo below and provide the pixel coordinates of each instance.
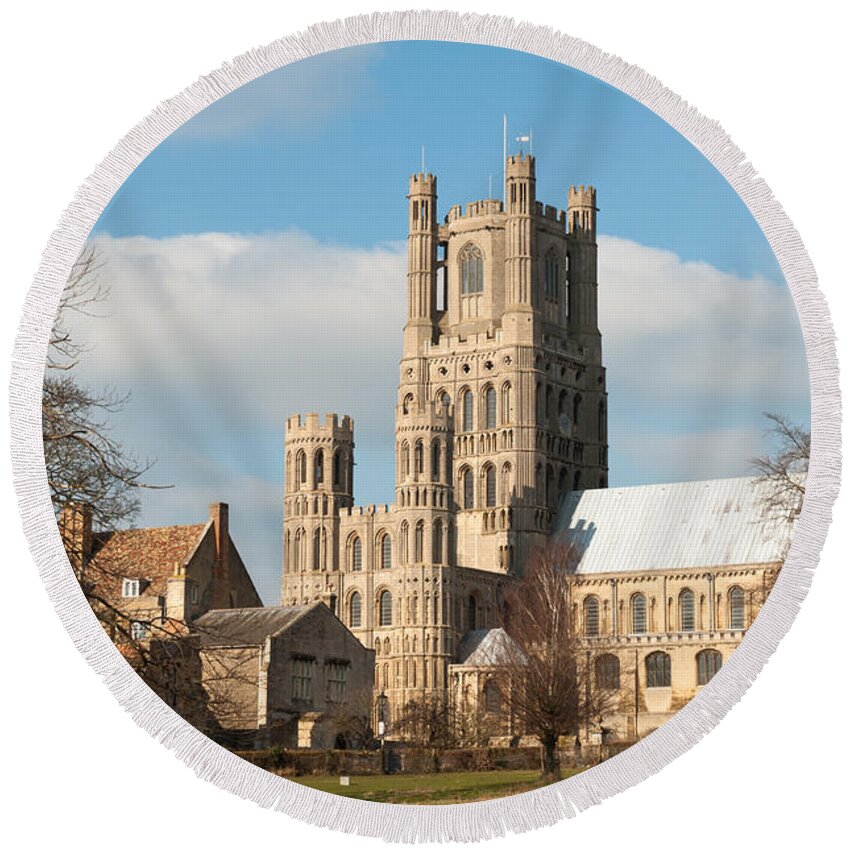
(430, 787)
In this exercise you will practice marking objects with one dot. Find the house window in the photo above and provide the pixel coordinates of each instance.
(607, 668)
(687, 621)
(355, 611)
(471, 270)
(302, 679)
(138, 630)
(591, 616)
(335, 681)
(490, 407)
(130, 587)
(709, 661)
(658, 670)
(385, 608)
(193, 593)
(638, 614)
(736, 608)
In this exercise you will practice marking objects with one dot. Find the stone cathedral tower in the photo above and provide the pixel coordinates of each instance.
(501, 410)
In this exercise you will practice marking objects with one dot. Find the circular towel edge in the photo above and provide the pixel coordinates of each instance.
(394, 822)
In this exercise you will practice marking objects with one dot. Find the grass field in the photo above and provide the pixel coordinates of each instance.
(431, 787)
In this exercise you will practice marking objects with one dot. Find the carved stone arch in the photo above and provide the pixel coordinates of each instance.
(470, 260)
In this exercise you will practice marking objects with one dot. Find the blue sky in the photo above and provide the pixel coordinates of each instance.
(276, 218)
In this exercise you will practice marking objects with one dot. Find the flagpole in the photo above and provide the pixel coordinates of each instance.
(505, 159)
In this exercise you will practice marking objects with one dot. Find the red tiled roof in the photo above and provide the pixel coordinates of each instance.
(145, 553)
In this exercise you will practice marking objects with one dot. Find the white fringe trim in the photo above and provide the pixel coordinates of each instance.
(469, 821)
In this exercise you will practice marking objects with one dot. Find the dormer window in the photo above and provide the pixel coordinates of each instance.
(130, 588)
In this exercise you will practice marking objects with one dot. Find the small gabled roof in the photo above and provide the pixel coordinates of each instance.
(246, 626)
(486, 648)
(144, 553)
(684, 525)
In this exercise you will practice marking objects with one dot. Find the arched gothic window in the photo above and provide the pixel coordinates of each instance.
(736, 609)
(490, 407)
(490, 486)
(576, 408)
(301, 467)
(402, 542)
(355, 611)
(437, 542)
(638, 614)
(687, 619)
(435, 460)
(492, 697)
(471, 270)
(405, 459)
(551, 277)
(709, 661)
(418, 542)
(472, 613)
(607, 669)
(507, 403)
(319, 461)
(658, 670)
(386, 552)
(337, 473)
(591, 616)
(468, 489)
(356, 555)
(468, 405)
(418, 458)
(385, 608)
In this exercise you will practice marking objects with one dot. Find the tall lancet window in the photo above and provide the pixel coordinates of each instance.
(550, 287)
(471, 270)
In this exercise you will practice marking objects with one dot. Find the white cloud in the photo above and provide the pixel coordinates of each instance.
(220, 337)
(300, 97)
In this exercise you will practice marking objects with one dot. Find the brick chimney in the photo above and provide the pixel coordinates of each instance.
(75, 528)
(221, 572)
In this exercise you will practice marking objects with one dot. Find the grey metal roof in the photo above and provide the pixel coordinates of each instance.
(245, 626)
(485, 648)
(672, 526)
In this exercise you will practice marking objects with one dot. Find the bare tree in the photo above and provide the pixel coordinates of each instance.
(548, 672)
(85, 463)
(785, 469)
(428, 721)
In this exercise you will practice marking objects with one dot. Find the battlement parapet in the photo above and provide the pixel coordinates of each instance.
(331, 427)
(581, 196)
(423, 184)
(520, 165)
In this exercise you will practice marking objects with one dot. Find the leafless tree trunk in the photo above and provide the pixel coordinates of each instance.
(548, 674)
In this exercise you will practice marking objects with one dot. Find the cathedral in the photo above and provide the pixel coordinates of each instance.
(501, 412)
